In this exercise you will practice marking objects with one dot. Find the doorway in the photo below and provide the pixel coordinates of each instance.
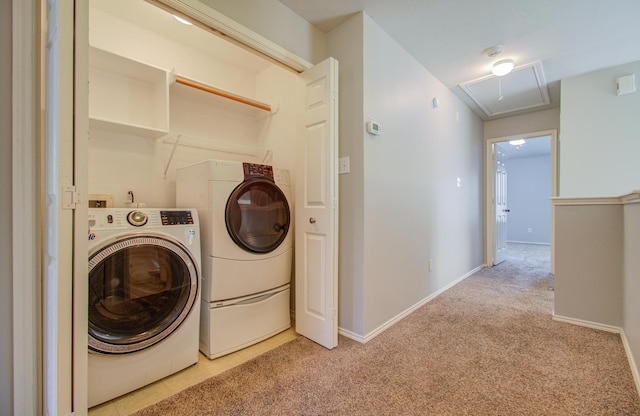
(497, 232)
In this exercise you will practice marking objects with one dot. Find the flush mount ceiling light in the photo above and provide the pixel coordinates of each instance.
(502, 67)
(183, 21)
(518, 142)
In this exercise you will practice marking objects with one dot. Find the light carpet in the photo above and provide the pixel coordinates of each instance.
(487, 346)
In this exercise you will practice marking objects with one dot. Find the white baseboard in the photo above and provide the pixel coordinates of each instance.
(608, 328)
(368, 337)
(351, 335)
(587, 324)
(632, 361)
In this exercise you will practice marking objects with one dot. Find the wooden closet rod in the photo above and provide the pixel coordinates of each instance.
(221, 93)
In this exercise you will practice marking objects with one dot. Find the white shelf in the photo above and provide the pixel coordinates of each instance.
(127, 96)
(131, 97)
(131, 129)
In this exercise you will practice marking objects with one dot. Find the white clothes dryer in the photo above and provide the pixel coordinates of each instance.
(244, 209)
(247, 246)
(144, 290)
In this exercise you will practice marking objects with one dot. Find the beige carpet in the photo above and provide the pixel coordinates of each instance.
(488, 346)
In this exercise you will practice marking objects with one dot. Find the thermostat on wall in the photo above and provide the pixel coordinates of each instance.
(373, 127)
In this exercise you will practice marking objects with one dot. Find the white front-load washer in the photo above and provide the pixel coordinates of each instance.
(144, 297)
(247, 250)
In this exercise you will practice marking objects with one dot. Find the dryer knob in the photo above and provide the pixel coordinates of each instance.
(137, 218)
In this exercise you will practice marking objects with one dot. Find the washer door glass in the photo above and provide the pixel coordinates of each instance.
(257, 216)
(140, 290)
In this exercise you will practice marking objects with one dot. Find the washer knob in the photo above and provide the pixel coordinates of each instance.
(137, 218)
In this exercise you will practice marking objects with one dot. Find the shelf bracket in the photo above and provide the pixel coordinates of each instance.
(173, 150)
(176, 139)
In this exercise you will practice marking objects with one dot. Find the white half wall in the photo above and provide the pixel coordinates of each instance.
(598, 268)
(631, 285)
(589, 261)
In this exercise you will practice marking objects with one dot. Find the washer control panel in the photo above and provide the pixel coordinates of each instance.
(176, 217)
(114, 218)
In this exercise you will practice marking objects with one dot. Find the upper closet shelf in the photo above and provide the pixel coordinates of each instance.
(262, 107)
(127, 96)
(133, 97)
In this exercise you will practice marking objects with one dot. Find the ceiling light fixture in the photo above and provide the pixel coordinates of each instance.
(502, 67)
(183, 21)
(518, 142)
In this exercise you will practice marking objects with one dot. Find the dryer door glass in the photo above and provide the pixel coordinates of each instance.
(257, 216)
(140, 290)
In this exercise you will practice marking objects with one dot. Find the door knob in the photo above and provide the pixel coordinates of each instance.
(506, 210)
(312, 220)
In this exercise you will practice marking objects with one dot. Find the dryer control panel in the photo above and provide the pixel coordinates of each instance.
(255, 170)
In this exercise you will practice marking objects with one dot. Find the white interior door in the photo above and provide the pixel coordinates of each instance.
(316, 208)
(501, 209)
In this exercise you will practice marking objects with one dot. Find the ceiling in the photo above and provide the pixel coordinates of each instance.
(449, 37)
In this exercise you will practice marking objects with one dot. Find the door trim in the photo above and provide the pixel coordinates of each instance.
(26, 210)
(218, 23)
(488, 197)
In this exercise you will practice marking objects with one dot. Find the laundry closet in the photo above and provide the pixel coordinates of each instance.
(181, 262)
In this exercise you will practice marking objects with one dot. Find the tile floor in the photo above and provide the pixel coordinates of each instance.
(203, 369)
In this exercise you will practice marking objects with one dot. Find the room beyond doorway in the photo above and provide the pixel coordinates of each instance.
(529, 256)
(495, 222)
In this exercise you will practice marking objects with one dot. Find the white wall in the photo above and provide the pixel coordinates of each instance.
(522, 124)
(6, 264)
(276, 22)
(528, 190)
(120, 162)
(345, 44)
(599, 142)
(412, 210)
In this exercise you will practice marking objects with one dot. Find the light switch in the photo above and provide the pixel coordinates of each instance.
(458, 182)
(343, 165)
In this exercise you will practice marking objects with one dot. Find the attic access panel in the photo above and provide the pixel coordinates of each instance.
(524, 88)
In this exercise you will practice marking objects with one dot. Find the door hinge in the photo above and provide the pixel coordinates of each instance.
(70, 197)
